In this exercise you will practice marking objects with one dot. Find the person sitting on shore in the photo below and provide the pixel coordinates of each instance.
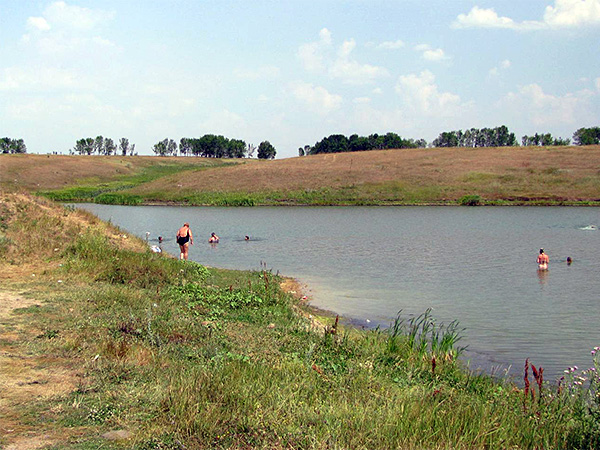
(213, 239)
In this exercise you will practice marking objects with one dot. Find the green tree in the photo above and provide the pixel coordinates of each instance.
(109, 147)
(8, 145)
(99, 145)
(124, 146)
(447, 139)
(358, 143)
(185, 146)
(587, 136)
(160, 148)
(236, 148)
(266, 150)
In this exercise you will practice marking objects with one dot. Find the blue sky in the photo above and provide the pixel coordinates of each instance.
(292, 72)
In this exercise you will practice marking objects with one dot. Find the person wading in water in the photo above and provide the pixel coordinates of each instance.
(184, 239)
(543, 260)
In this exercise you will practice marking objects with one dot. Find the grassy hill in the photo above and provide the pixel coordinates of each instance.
(514, 175)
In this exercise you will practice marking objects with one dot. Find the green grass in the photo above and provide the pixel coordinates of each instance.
(90, 190)
(184, 356)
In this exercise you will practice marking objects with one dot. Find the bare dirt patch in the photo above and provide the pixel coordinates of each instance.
(25, 378)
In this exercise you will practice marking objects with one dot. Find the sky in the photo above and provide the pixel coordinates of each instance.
(292, 72)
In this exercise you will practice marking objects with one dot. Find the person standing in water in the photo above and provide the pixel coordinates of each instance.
(213, 239)
(543, 260)
(184, 239)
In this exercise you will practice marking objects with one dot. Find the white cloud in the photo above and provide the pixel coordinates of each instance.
(434, 55)
(65, 30)
(564, 14)
(312, 54)
(38, 23)
(321, 57)
(258, 73)
(225, 122)
(32, 79)
(431, 54)
(361, 100)
(572, 13)
(316, 98)
(75, 17)
(483, 18)
(504, 65)
(542, 109)
(420, 94)
(351, 71)
(391, 45)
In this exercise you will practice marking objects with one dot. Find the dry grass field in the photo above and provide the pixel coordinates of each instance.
(532, 175)
(419, 175)
(33, 172)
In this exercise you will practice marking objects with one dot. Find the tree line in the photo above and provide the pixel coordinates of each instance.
(502, 137)
(103, 146)
(337, 143)
(474, 137)
(8, 145)
(213, 146)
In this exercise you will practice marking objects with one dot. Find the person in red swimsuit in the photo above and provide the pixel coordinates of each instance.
(184, 239)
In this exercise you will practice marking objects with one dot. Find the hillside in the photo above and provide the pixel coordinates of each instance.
(513, 175)
(34, 172)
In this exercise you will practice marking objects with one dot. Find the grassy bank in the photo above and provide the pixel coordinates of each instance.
(176, 355)
(449, 176)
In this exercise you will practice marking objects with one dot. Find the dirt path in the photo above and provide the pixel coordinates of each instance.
(25, 378)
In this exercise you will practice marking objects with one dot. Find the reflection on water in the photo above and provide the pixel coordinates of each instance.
(477, 265)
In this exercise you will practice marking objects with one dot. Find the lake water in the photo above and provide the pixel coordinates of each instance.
(476, 265)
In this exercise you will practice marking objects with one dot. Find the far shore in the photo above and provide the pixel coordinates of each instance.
(513, 176)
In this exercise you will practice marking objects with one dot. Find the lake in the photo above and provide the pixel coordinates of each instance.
(473, 264)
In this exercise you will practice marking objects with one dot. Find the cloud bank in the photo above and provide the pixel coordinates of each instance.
(564, 14)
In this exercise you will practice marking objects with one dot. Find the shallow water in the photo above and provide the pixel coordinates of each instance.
(476, 265)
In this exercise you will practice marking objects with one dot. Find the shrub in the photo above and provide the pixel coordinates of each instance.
(470, 200)
(111, 198)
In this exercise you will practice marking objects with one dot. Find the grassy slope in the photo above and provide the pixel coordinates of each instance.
(404, 176)
(555, 175)
(90, 175)
(185, 357)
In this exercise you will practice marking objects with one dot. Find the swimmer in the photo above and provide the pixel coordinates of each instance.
(569, 260)
(213, 239)
(543, 260)
(246, 238)
(184, 239)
